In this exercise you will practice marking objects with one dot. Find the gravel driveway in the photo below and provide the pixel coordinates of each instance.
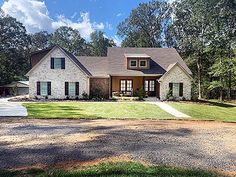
(31, 142)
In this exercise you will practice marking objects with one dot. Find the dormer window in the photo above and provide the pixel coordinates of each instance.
(133, 63)
(138, 61)
(142, 63)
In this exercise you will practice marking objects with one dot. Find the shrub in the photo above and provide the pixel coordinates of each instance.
(97, 95)
(169, 94)
(85, 96)
(114, 99)
(141, 93)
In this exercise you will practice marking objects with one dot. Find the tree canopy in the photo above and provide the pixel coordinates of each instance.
(14, 43)
(145, 25)
(99, 43)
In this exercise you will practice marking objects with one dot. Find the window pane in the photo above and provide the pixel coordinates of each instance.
(146, 86)
(129, 85)
(43, 88)
(176, 89)
(143, 63)
(57, 63)
(122, 86)
(71, 88)
(152, 86)
(133, 63)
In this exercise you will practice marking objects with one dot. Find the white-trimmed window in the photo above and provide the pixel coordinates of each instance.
(43, 88)
(142, 63)
(133, 63)
(126, 85)
(71, 88)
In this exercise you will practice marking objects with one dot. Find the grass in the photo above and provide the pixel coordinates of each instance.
(95, 110)
(121, 169)
(207, 110)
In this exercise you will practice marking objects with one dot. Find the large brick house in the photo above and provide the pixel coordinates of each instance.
(58, 74)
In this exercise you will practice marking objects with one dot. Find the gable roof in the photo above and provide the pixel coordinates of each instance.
(171, 67)
(40, 55)
(115, 63)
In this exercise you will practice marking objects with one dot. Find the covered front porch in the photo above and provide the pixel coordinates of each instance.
(129, 86)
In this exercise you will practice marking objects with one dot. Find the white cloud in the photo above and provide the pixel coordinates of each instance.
(109, 26)
(35, 16)
(84, 26)
(119, 14)
(32, 13)
(74, 15)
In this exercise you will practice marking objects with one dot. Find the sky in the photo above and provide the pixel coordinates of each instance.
(83, 15)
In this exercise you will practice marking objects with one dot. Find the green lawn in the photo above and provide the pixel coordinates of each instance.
(119, 169)
(207, 110)
(95, 110)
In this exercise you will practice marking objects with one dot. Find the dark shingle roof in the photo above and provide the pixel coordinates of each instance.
(161, 58)
(38, 55)
(116, 64)
(97, 66)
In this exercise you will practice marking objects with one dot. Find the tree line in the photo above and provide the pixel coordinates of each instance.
(203, 32)
(16, 46)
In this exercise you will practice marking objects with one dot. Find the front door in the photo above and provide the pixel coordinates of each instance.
(150, 87)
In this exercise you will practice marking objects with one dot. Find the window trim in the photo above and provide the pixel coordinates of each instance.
(62, 63)
(143, 66)
(135, 65)
(132, 84)
(39, 88)
(180, 88)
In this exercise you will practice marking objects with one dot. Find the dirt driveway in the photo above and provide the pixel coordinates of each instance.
(51, 143)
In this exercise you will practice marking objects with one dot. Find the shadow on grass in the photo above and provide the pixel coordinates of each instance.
(124, 169)
(212, 103)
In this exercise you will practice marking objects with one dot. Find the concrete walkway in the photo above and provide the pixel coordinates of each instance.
(167, 108)
(13, 109)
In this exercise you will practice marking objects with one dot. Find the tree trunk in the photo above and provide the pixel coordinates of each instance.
(221, 94)
(229, 87)
(199, 79)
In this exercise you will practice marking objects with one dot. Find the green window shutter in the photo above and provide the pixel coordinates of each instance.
(49, 88)
(66, 88)
(171, 88)
(38, 88)
(180, 89)
(52, 63)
